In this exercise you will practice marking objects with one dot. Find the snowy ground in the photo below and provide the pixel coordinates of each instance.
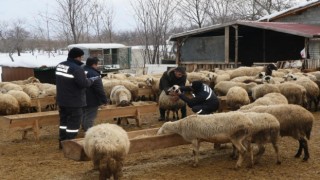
(32, 61)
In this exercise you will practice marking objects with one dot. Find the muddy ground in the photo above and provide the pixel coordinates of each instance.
(27, 159)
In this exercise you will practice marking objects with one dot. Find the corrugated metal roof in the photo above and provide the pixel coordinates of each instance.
(300, 7)
(298, 29)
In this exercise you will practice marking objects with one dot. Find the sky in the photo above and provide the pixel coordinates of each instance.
(28, 10)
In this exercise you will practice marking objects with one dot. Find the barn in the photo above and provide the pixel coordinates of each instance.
(247, 43)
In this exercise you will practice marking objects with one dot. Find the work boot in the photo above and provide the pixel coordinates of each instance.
(162, 114)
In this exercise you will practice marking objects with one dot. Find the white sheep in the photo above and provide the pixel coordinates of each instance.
(170, 103)
(268, 99)
(295, 121)
(232, 127)
(262, 89)
(295, 94)
(120, 96)
(107, 145)
(32, 90)
(266, 129)
(26, 81)
(222, 88)
(10, 86)
(23, 99)
(237, 97)
(8, 105)
(109, 84)
(246, 71)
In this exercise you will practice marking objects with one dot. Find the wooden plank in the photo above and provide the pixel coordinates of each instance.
(73, 149)
(145, 92)
(226, 44)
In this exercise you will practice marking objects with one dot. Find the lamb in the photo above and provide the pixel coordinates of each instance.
(263, 89)
(10, 86)
(120, 96)
(23, 99)
(268, 99)
(232, 127)
(295, 121)
(266, 129)
(170, 103)
(237, 97)
(222, 88)
(107, 145)
(154, 84)
(269, 69)
(196, 76)
(243, 78)
(8, 105)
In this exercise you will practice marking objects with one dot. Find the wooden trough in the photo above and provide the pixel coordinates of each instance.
(142, 140)
(37, 120)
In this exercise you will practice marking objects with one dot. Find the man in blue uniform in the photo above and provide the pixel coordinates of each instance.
(71, 83)
(95, 94)
(204, 100)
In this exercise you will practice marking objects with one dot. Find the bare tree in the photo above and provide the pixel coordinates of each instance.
(154, 19)
(222, 11)
(72, 15)
(194, 11)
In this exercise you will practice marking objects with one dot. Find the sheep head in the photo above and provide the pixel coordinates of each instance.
(174, 89)
(289, 77)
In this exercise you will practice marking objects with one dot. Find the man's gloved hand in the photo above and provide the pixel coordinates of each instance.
(94, 78)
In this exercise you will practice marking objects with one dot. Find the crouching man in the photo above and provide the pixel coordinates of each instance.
(204, 100)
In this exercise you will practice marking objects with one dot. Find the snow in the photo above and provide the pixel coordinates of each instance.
(96, 45)
(270, 16)
(33, 61)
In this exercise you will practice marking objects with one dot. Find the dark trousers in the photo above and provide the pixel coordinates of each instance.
(183, 112)
(70, 119)
(205, 109)
(89, 115)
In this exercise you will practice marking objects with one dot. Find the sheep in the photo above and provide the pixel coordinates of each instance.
(243, 78)
(47, 89)
(237, 97)
(109, 84)
(170, 103)
(266, 128)
(107, 145)
(23, 99)
(10, 86)
(196, 76)
(8, 105)
(120, 96)
(232, 127)
(295, 121)
(26, 81)
(312, 90)
(154, 84)
(222, 88)
(296, 94)
(269, 69)
(246, 71)
(262, 89)
(32, 90)
(268, 99)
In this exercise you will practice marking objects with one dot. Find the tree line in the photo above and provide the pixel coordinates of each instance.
(93, 21)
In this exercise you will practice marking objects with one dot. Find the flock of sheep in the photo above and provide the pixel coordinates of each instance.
(263, 106)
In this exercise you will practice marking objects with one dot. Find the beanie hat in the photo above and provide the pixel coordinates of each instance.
(196, 85)
(180, 69)
(75, 52)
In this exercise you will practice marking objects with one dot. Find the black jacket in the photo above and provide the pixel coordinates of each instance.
(205, 96)
(168, 79)
(71, 84)
(95, 93)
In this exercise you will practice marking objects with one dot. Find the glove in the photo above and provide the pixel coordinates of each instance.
(94, 78)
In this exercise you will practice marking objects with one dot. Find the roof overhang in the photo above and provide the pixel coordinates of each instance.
(304, 30)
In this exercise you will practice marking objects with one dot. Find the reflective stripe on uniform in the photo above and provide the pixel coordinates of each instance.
(64, 74)
(209, 94)
(199, 111)
(63, 127)
(72, 131)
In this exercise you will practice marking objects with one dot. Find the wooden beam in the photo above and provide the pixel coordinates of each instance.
(226, 44)
(140, 141)
(236, 46)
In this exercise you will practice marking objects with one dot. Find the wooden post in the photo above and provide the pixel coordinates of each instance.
(306, 46)
(178, 53)
(226, 44)
(264, 45)
(236, 46)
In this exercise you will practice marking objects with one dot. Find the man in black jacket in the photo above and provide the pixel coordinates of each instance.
(175, 76)
(204, 100)
(71, 85)
(95, 94)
